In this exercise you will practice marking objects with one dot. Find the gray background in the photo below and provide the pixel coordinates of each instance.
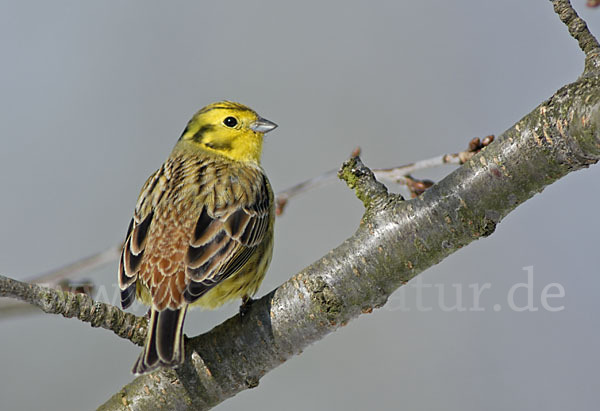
(94, 95)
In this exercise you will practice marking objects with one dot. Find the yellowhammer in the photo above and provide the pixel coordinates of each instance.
(202, 229)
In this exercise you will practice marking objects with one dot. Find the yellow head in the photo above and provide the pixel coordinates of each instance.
(229, 129)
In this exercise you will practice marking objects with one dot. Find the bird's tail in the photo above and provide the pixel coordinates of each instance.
(164, 342)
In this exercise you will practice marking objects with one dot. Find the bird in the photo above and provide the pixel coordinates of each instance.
(202, 228)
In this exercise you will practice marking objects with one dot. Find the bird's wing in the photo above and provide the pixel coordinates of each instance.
(135, 240)
(225, 239)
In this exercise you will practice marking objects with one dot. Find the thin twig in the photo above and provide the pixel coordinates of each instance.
(322, 180)
(397, 174)
(89, 263)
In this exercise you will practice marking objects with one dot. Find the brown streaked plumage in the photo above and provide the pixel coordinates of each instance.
(202, 230)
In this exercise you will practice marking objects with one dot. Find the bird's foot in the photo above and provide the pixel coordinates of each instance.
(246, 304)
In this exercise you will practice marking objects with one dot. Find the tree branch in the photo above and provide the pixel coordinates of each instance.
(77, 305)
(61, 278)
(580, 32)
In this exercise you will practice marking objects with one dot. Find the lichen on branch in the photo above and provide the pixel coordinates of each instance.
(362, 180)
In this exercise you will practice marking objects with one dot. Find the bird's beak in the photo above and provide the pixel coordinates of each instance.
(262, 125)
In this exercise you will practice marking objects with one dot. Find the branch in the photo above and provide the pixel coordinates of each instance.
(61, 278)
(395, 241)
(77, 305)
(580, 32)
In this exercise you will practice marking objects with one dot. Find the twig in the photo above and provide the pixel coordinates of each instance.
(397, 174)
(284, 196)
(580, 32)
(85, 264)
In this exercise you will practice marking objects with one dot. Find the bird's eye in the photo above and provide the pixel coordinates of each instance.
(230, 122)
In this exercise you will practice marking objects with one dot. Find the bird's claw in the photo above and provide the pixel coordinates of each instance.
(245, 307)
